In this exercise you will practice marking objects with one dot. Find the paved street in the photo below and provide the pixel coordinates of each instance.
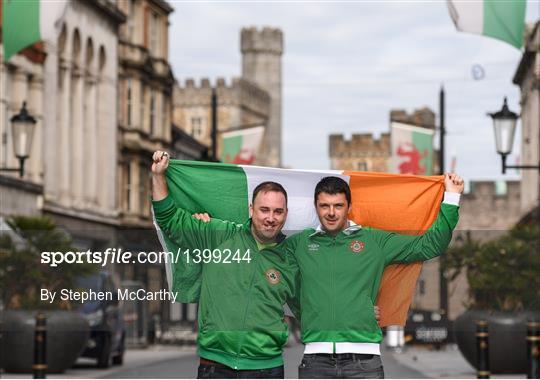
(186, 367)
(163, 362)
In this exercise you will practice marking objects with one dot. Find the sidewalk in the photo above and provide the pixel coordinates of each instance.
(133, 358)
(446, 363)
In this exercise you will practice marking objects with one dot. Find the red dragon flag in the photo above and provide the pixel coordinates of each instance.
(241, 147)
(412, 149)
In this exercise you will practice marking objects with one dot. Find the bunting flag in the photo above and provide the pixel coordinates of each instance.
(405, 203)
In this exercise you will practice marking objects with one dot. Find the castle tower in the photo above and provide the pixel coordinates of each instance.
(261, 63)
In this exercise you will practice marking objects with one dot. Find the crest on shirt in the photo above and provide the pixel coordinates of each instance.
(357, 246)
(273, 276)
(313, 247)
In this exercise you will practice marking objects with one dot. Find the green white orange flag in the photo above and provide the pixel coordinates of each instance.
(503, 20)
(412, 149)
(25, 22)
(242, 146)
(386, 201)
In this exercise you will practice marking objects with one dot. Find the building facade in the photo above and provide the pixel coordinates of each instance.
(527, 77)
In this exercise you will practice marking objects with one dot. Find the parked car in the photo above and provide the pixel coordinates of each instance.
(107, 330)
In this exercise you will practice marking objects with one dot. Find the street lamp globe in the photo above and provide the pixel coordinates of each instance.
(504, 126)
(22, 126)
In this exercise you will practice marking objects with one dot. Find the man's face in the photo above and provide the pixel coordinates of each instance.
(268, 215)
(332, 210)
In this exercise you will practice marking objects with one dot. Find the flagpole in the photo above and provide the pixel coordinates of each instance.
(214, 124)
(443, 285)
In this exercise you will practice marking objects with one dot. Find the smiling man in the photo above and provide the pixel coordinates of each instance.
(341, 266)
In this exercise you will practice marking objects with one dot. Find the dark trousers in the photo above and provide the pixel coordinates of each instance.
(220, 371)
(341, 366)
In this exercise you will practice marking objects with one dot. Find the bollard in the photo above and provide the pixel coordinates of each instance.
(40, 345)
(533, 350)
(482, 350)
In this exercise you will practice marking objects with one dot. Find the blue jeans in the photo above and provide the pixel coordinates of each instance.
(211, 371)
(341, 366)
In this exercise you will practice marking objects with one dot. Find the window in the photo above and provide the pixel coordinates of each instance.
(141, 105)
(154, 33)
(128, 102)
(126, 174)
(152, 112)
(163, 113)
(196, 127)
(131, 20)
(362, 166)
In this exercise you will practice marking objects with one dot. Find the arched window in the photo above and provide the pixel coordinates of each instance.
(62, 38)
(89, 55)
(76, 48)
(102, 59)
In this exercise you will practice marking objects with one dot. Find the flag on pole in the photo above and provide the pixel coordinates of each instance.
(26, 22)
(380, 200)
(242, 146)
(503, 20)
(412, 149)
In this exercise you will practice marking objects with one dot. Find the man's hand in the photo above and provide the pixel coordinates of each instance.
(161, 162)
(377, 312)
(202, 216)
(453, 183)
(159, 166)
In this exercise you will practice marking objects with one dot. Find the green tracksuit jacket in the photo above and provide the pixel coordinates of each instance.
(241, 303)
(340, 276)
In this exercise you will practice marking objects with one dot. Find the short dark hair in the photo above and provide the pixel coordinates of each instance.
(333, 185)
(266, 187)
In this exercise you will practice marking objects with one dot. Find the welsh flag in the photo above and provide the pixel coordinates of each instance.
(241, 147)
(412, 149)
(25, 22)
(503, 20)
(381, 200)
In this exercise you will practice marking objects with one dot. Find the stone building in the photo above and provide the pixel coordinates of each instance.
(242, 103)
(527, 77)
(363, 152)
(102, 97)
(145, 86)
(253, 99)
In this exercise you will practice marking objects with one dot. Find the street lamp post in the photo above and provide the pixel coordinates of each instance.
(22, 127)
(504, 126)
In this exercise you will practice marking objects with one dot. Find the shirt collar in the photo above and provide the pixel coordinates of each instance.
(353, 227)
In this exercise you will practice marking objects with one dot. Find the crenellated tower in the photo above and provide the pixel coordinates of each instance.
(261, 64)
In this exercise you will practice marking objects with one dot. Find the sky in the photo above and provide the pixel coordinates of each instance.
(347, 64)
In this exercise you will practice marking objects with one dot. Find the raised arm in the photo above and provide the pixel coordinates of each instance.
(176, 222)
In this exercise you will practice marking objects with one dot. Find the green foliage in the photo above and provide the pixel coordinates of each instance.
(503, 274)
(22, 274)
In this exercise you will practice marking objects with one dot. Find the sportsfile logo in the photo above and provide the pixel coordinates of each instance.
(313, 247)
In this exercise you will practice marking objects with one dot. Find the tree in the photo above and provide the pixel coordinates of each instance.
(503, 274)
(23, 275)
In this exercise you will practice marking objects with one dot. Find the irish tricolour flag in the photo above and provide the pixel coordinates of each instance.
(25, 22)
(500, 19)
(393, 202)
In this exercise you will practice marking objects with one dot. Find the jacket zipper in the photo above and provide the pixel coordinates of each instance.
(253, 272)
(332, 270)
